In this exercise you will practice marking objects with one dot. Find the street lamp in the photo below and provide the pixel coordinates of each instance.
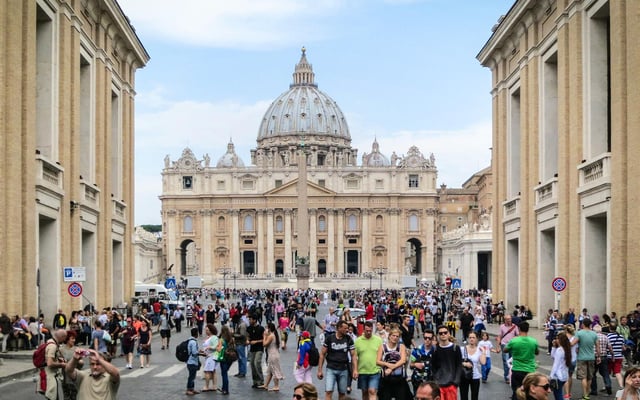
(224, 271)
(369, 275)
(380, 271)
(234, 275)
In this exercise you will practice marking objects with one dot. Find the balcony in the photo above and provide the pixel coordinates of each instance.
(595, 174)
(49, 175)
(247, 234)
(547, 193)
(119, 209)
(91, 197)
(511, 209)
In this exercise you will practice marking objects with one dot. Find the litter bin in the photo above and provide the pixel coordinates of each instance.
(360, 320)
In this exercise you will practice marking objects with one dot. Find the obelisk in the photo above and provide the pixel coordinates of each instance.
(302, 259)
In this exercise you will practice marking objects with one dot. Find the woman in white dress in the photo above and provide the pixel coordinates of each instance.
(209, 346)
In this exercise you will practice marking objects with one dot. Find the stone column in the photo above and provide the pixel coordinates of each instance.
(313, 240)
(394, 254)
(261, 266)
(235, 240)
(271, 264)
(287, 241)
(208, 266)
(340, 250)
(365, 253)
(331, 246)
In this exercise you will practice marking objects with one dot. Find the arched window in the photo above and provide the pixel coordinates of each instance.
(248, 223)
(279, 224)
(221, 224)
(413, 223)
(352, 223)
(322, 223)
(187, 224)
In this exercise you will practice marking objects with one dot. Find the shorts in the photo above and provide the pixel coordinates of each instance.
(585, 369)
(336, 376)
(165, 333)
(368, 381)
(615, 366)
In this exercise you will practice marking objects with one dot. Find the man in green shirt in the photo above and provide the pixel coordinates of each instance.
(367, 347)
(523, 350)
(588, 356)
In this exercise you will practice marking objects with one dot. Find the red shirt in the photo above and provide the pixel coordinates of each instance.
(369, 312)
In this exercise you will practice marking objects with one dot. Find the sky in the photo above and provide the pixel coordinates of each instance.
(403, 72)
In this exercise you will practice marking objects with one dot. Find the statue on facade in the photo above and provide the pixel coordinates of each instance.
(207, 160)
(167, 161)
(285, 158)
(394, 159)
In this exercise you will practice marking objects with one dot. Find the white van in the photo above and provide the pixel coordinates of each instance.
(147, 291)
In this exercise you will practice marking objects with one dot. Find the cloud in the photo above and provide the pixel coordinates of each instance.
(233, 24)
(459, 153)
(167, 127)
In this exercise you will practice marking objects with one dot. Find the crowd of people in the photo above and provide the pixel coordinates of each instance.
(379, 352)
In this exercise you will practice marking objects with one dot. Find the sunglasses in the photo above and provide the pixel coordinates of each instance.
(428, 338)
(443, 333)
(545, 386)
(297, 396)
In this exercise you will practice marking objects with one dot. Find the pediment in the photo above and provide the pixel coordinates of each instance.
(291, 189)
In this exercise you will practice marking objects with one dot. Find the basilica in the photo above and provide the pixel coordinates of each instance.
(368, 215)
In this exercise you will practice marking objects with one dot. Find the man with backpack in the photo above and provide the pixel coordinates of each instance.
(55, 364)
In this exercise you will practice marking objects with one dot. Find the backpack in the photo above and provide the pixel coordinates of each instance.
(39, 359)
(314, 356)
(182, 350)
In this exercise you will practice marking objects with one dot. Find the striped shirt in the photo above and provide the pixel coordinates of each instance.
(617, 344)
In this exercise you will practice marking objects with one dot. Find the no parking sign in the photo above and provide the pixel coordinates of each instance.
(559, 284)
(74, 289)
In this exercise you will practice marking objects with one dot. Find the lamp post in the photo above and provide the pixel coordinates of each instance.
(380, 271)
(224, 271)
(234, 275)
(369, 275)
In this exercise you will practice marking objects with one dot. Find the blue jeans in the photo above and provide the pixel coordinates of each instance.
(505, 366)
(558, 393)
(224, 371)
(486, 369)
(192, 368)
(242, 359)
(336, 376)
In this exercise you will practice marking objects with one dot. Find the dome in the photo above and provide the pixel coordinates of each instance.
(375, 159)
(303, 110)
(230, 159)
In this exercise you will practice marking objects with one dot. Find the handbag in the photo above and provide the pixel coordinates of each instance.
(554, 383)
(230, 353)
(467, 372)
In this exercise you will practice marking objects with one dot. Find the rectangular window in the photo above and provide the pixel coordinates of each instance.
(413, 181)
(220, 185)
(187, 182)
(321, 182)
(279, 241)
(248, 241)
(322, 241)
(379, 184)
(444, 228)
(352, 183)
(353, 241)
(278, 183)
(247, 185)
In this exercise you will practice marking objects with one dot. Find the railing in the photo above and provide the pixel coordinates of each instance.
(91, 194)
(511, 208)
(596, 171)
(49, 173)
(119, 209)
(546, 191)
